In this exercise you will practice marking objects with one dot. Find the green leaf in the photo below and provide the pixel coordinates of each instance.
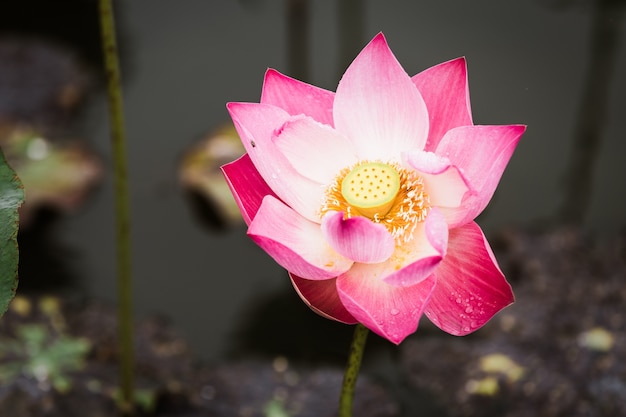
(11, 197)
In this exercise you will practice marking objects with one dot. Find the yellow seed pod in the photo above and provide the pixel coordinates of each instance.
(371, 188)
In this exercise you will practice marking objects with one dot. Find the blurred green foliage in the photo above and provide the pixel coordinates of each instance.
(36, 353)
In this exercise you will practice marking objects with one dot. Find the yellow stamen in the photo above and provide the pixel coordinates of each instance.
(400, 208)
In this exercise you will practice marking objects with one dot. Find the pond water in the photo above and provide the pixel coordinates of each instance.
(184, 60)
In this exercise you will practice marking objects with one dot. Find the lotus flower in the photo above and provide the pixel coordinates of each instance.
(367, 196)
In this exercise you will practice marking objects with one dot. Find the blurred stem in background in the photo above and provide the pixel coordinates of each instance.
(591, 120)
(298, 39)
(122, 212)
(351, 17)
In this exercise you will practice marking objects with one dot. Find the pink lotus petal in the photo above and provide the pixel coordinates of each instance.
(389, 311)
(444, 183)
(414, 261)
(481, 154)
(247, 186)
(256, 125)
(357, 238)
(297, 97)
(321, 297)
(445, 90)
(295, 243)
(426, 162)
(470, 286)
(378, 107)
(315, 150)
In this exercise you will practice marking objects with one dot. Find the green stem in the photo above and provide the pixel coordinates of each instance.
(352, 370)
(122, 212)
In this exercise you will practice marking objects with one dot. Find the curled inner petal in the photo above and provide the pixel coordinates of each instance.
(445, 183)
(357, 238)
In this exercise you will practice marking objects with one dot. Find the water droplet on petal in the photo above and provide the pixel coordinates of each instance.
(469, 309)
(394, 311)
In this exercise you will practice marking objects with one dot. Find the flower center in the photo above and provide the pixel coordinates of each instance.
(386, 193)
(371, 188)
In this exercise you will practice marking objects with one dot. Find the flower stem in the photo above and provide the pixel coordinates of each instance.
(122, 212)
(352, 370)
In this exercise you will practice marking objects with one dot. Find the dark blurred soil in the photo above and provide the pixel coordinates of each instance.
(170, 381)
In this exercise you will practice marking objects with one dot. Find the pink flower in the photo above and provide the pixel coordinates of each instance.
(367, 196)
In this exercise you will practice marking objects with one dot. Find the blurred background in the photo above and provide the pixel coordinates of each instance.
(558, 66)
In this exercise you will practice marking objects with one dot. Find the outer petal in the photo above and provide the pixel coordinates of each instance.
(357, 238)
(297, 97)
(315, 150)
(247, 186)
(321, 297)
(378, 107)
(481, 154)
(414, 261)
(470, 286)
(445, 184)
(257, 124)
(391, 312)
(294, 242)
(446, 92)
